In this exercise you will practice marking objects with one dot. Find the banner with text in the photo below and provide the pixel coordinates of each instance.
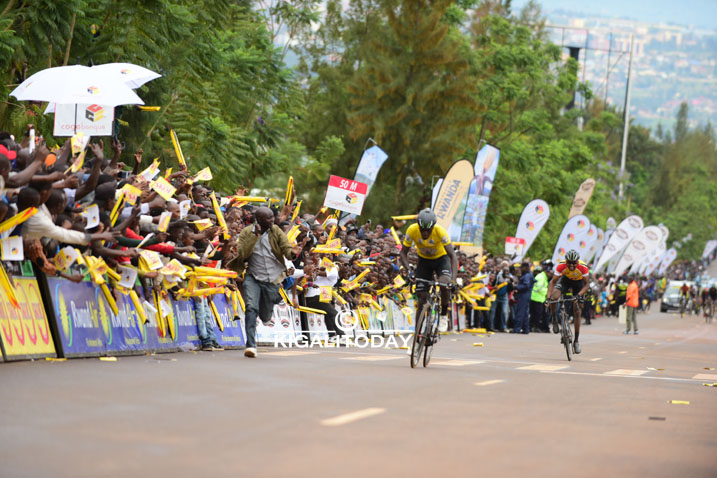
(647, 239)
(582, 196)
(623, 234)
(345, 195)
(91, 119)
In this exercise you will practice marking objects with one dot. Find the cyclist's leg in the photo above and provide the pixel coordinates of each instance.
(576, 308)
(443, 271)
(557, 292)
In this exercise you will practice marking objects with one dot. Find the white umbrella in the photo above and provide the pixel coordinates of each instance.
(130, 74)
(76, 84)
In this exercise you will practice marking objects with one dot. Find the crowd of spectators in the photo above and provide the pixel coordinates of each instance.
(106, 209)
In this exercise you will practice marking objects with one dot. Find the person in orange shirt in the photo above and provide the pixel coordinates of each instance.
(632, 303)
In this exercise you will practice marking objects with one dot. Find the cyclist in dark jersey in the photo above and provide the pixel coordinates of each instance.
(570, 275)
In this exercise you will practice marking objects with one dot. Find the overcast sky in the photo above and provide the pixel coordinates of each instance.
(700, 13)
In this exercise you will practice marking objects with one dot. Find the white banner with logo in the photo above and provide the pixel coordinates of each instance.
(709, 247)
(534, 216)
(605, 239)
(622, 236)
(91, 119)
(667, 260)
(573, 231)
(597, 242)
(655, 258)
(586, 241)
(639, 247)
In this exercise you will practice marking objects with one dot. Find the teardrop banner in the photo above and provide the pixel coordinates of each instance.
(476, 208)
(669, 256)
(582, 196)
(575, 228)
(644, 241)
(532, 220)
(453, 189)
(624, 233)
(595, 245)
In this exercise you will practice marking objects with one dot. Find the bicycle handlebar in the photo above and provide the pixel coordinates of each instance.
(431, 282)
(565, 299)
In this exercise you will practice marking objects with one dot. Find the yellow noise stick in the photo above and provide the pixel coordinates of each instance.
(138, 306)
(110, 299)
(395, 236)
(210, 271)
(310, 310)
(8, 287)
(215, 313)
(407, 217)
(284, 296)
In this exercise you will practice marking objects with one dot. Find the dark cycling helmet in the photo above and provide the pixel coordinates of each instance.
(572, 256)
(426, 219)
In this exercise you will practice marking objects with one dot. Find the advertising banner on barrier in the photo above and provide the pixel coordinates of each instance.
(473, 226)
(25, 332)
(233, 334)
(582, 196)
(573, 231)
(284, 326)
(619, 239)
(534, 216)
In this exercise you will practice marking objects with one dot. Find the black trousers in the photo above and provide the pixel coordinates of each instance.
(329, 318)
(538, 317)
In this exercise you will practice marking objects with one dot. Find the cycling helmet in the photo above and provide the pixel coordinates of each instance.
(572, 256)
(426, 219)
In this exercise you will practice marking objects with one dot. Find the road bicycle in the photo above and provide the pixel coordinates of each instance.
(426, 332)
(566, 333)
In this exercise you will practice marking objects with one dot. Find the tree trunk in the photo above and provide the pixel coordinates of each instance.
(69, 40)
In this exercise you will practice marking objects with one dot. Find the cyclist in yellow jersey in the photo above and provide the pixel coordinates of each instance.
(435, 255)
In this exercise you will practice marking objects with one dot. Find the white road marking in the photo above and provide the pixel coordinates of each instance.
(595, 359)
(623, 352)
(543, 367)
(671, 379)
(352, 417)
(705, 376)
(456, 363)
(372, 358)
(488, 382)
(291, 353)
(622, 371)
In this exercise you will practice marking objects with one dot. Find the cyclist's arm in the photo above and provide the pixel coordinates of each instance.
(454, 261)
(551, 286)
(586, 286)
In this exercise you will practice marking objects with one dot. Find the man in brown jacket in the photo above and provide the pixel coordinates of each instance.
(263, 247)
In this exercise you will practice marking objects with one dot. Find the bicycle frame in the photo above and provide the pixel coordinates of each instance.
(426, 332)
(565, 330)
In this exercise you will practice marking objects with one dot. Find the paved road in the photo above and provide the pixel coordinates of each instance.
(513, 407)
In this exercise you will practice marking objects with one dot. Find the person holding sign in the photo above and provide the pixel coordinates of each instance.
(435, 256)
(263, 247)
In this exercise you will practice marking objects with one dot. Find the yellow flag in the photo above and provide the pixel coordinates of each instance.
(178, 150)
(18, 218)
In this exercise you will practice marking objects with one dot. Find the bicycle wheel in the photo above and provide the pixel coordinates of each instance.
(431, 335)
(419, 337)
(566, 333)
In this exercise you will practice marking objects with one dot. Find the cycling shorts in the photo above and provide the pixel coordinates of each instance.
(564, 285)
(427, 267)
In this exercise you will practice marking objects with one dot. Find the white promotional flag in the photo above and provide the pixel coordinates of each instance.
(640, 265)
(534, 217)
(585, 242)
(709, 247)
(576, 227)
(605, 239)
(655, 260)
(434, 195)
(670, 256)
(644, 242)
(593, 247)
(622, 236)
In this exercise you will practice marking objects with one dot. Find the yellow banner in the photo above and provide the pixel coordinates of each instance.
(25, 331)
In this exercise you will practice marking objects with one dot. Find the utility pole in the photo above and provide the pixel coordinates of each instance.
(607, 75)
(627, 123)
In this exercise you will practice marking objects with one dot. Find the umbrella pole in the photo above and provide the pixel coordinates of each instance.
(75, 124)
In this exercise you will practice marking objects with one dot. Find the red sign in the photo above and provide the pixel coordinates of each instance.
(348, 185)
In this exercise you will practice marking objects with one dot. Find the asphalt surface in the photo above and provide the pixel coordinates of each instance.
(512, 407)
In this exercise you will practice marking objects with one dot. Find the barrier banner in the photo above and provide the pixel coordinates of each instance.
(25, 332)
(473, 225)
(622, 236)
(582, 196)
(574, 229)
(452, 192)
(534, 216)
(645, 241)
(233, 334)
(317, 327)
(284, 326)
